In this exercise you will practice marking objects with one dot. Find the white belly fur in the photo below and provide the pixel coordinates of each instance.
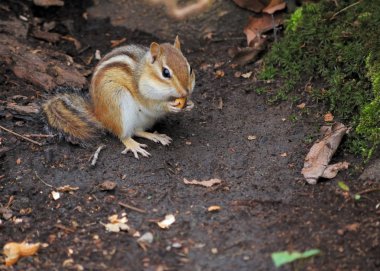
(134, 116)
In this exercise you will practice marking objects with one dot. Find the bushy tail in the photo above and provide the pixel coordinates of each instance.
(71, 116)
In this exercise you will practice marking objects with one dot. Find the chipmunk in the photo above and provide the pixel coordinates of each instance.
(131, 88)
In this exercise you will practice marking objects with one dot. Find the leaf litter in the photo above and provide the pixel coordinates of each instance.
(207, 183)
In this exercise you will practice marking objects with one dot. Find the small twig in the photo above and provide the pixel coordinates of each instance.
(344, 9)
(23, 137)
(132, 207)
(368, 191)
(40, 135)
(96, 155)
(45, 183)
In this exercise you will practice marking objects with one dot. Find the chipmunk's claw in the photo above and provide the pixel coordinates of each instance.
(189, 105)
(134, 147)
(172, 107)
(155, 137)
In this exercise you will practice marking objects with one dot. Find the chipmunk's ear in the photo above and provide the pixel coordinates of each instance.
(155, 50)
(177, 44)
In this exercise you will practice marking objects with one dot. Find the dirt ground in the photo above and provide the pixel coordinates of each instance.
(265, 204)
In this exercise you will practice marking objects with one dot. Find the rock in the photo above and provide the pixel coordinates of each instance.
(371, 172)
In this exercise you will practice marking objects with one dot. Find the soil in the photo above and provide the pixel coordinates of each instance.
(265, 204)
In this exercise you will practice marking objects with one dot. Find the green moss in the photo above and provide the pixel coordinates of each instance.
(339, 48)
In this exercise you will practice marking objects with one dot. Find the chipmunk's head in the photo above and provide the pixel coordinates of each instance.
(167, 74)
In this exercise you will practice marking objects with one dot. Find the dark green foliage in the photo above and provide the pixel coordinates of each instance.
(340, 49)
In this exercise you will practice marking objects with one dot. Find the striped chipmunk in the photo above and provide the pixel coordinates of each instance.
(131, 88)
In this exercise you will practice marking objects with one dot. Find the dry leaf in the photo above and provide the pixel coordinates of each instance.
(251, 137)
(218, 64)
(219, 73)
(352, 227)
(214, 208)
(258, 25)
(76, 42)
(301, 106)
(13, 251)
(256, 6)
(205, 66)
(117, 224)
(274, 5)
(18, 161)
(320, 154)
(56, 195)
(67, 188)
(246, 75)
(332, 170)
(207, 183)
(284, 154)
(107, 186)
(146, 238)
(115, 43)
(164, 224)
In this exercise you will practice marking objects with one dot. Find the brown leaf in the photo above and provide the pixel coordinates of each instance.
(165, 224)
(76, 42)
(214, 208)
(107, 186)
(18, 161)
(247, 55)
(321, 152)
(332, 170)
(258, 25)
(274, 5)
(256, 6)
(207, 183)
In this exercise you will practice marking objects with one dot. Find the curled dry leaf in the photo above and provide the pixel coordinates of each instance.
(13, 251)
(259, 25)
(251, 137)
(165, 224)
(332, 170)
(274, 5)
(246, 75)
(207, 183)
(320, 154)
(146, 238)
(301, 105)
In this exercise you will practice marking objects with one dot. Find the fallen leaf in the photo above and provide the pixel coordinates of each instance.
(67, 188)
(214, 208)
(18, 161)
(352, 227)
(328, 117)
(283, 257)
(107, 186)
(284, 154)
(301, 105)
(56, 195)
(115, 43)
(246, 75)
(13, 251)
(274, 5)
(256, 6)
(218, 64)
(207, 183)
(320, 154)
(164, 224)
(242, 56)
(332, 170)
(259, 25)
(205, 66)
(117, 224)
(219, 73)
(251, 137)
(76, 42)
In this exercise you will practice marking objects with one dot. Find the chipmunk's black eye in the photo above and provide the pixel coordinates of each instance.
(191, 70)
(166, 73)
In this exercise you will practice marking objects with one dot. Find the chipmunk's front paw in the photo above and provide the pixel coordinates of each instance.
(189, 105)
(172, 107)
